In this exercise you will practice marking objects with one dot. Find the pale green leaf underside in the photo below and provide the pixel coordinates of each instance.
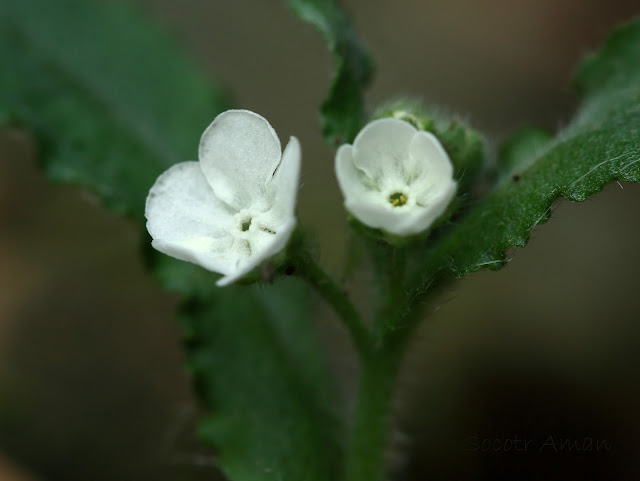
(343, 112)
(111, 103)
(602, 145)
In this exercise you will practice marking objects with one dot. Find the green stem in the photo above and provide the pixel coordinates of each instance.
(365, 457)
(393, 325)
(396, 321)
(380, 354)
(342, 305)
(389, 263)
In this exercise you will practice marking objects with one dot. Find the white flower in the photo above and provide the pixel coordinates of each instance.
(234, 208)
(395, 177)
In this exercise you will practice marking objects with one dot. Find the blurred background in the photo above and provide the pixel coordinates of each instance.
(545, 351)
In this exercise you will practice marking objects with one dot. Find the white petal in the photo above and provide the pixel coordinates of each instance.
(238, 154)
(381, 150)
(433, 206)
(235, 208)
(375, 211)
(270, 231)
(185, 219)
(263, 246)
(431, 159)
(402, 221)
(284, 183)
(353, 182)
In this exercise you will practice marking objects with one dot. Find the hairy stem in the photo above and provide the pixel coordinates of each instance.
(366, 460)
(389, 264)
(342, 305)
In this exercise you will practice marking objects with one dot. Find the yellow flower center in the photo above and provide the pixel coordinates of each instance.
(397, 199)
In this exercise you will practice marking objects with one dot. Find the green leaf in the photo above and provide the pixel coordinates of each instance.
(343, 112)
(270, 410)
(109, 99)
(112, 103)
(601, 145)
(516, 152)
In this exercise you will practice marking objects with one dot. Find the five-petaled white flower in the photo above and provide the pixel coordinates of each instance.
(395, 177)
(234, 208)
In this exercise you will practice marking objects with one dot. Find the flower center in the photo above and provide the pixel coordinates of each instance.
(245, 224)
(398, 199)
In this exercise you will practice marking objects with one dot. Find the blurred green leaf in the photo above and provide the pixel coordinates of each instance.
(342, 112)
(601, 145)
(270, 418)
(112, 103)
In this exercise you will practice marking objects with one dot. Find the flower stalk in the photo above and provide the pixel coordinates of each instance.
(325, 286)
(366, 460)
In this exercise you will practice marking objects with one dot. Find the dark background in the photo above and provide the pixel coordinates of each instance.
(545, 351)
